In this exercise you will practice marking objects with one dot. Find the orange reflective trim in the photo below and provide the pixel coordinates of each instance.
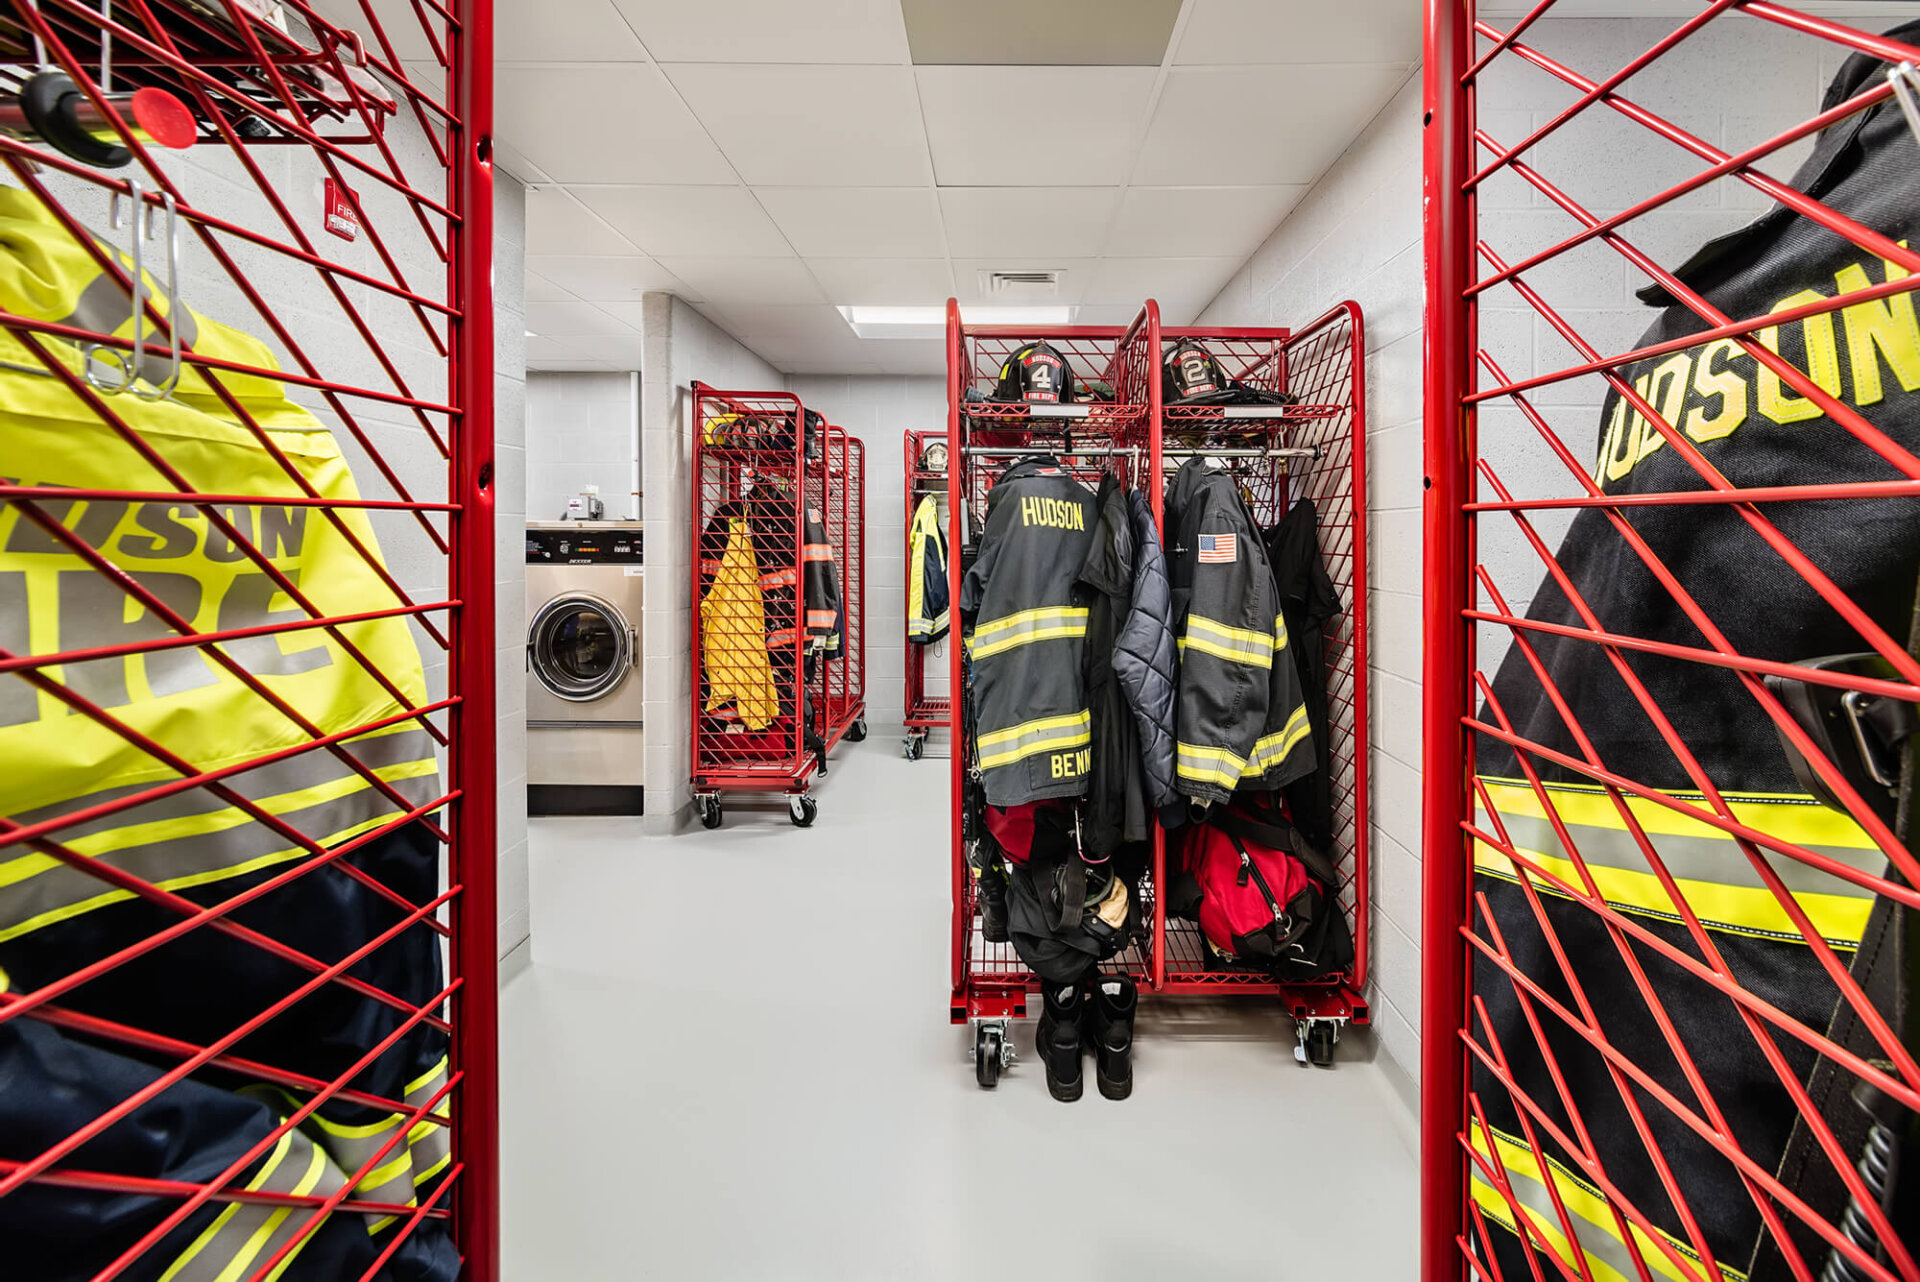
(819, 552)
(777, 579)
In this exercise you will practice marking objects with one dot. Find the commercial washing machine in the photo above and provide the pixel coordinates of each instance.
(585, 735)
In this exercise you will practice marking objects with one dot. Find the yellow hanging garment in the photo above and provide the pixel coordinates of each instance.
(733, 635)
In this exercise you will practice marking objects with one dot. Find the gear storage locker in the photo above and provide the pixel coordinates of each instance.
(247, 964)
(924, 712)
(1671, 667)
(841, 672)
(990, 983)
(1315, 449)
(753, 706)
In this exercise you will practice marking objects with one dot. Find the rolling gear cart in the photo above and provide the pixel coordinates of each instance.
(1298, 433)
(990, 983)
(763, 614)
(1307, 442)
(924, 712)
(248, 976)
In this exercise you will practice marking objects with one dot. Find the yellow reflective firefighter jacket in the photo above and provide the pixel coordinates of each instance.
(733, 634)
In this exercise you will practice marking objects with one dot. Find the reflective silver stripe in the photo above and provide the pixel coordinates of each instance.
(309, 769)
(59, 891)
(391, 1178)
(243, 1236)
(1590, 1239)
(1689, 858)
(432, 1142)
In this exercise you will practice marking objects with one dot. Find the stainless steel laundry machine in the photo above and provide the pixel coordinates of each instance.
(585, 708)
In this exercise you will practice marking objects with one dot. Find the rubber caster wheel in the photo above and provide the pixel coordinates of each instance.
(857, 731)
(913, 744)
(710, 814)
(986, 1057)
(801, 809)
(1320, 1046)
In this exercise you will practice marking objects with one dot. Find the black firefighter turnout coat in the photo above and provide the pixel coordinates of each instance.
(1240, 721)
(1025, 626)
(1727, 412)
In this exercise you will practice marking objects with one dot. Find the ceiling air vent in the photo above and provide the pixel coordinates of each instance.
(1020, 286)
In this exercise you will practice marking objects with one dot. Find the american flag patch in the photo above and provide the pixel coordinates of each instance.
(1218, 549)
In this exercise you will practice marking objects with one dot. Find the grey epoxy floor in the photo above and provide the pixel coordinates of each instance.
(731, 1060)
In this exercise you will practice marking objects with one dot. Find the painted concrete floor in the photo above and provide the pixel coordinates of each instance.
(731, 1060)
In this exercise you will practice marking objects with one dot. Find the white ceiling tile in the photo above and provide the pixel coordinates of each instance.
(546, 366)
(1258, 125)
(911, 356)
(1121, 314)
(1074, 275)
(729, 282)
(1182, 286)
(573, 319)
(1295, 31)
(856, 222)
(563, 31)
(983, 222)
(541, 290)
(976, 117)
(604, 123)
(683, 221)
(841, 31)
(829, 367)
(807, 126)
(631, 314)
(884, 282)
(559, 224)
(1224, 222)
(815, 322)
(602, 279)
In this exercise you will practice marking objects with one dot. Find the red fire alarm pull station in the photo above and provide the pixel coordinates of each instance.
(341, 220)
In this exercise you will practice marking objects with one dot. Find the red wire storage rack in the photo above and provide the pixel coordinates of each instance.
(750, 497)
(990, 983)
(842, 675)
(250, 829)
(1646, 1017)
(1313, 448)
(924, 713)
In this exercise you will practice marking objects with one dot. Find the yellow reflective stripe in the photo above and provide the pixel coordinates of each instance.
(1607, 1254)
(265, 1224)
(1026, 627)
(1279, 633)
(1046, 734)
(1707, 866)
(1235, 645)
(1273, 749)
(1209, 765)
(438, 1070)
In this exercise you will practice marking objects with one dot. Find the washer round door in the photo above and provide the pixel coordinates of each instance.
(580, 647)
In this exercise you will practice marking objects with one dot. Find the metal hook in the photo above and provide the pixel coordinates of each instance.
(96, 354)
(1902, 77)
(175, 321)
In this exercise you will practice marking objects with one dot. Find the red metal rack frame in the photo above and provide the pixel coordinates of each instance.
(989, 980)
(923, 713)
(321, 94)
(775, 759)
(842, 679)
(1660, 1083)
(1323, 368)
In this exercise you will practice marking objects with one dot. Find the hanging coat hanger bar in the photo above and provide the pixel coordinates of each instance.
(1291, 451)
(1055, 451)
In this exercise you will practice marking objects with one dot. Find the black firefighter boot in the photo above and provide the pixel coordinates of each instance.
(992, 883)
(1057, 1039)
(1108, 1025)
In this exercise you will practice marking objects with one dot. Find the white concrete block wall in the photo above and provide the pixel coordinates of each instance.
(510, 570)
(878, 409)
(1358, 234)
(678, 345)
(583, 429)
